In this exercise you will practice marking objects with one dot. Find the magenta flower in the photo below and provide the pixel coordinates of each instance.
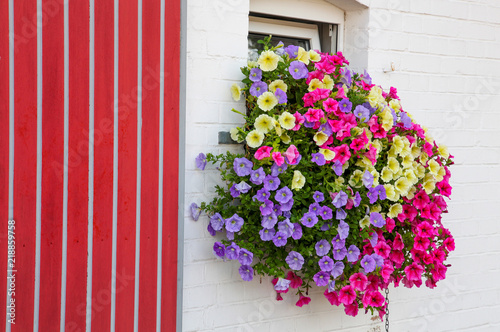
(322, 247)
(351, 309)
(359, 281)
(216, 221)
(321, 278)
(246, 272)
(201, 161)
(294, 260)
(233, 251)
(373, 299)
(296, 281)
(234, 223)
(219, 249)
(332, 297)
(263, 152)
(347, 295)
(292, 155)
(314, 115)
(303, 300)
(342, 153)
(245, 257)
(242, 166)
(414, 272)
(267, 234)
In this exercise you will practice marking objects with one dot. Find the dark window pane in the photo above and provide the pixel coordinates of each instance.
(254, 47)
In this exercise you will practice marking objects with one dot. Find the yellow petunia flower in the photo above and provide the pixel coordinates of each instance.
(268, 61)
(236, 91)
(328, 82)
(365, 222)
(395, 210)
(443, 151)
(298, 180)
(287, 120)
(433, 167)
(254, 139)
(264, 123)
(315, 84)
(267, 101)
(387, 174)
(393, 164)
(329, 154)
(313, 56)
(278, 84)
(320, 138)
(303, 55)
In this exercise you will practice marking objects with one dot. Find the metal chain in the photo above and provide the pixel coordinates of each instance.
(387, 310)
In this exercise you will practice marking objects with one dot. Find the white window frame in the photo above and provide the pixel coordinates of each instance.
(275, 27)
(310, 10)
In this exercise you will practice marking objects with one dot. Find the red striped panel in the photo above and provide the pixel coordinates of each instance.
(127, 165)
(4, 147)
(52, 177)
(149, 164)
(103, 166)
(78, 147)
(25, 119)
(170, 166)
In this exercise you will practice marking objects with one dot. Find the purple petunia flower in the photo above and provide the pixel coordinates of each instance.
(266, 208)
(219, 250)
(372, 195)
(234, 191)
(377, 220)
(280, 48)
(345, 105)
(211, 230)
(287, 206)
(340, 214)
(381, 192)
(275, 169)
(271, 182)
(246, 272)
(339, 254)
(277, 209)
(195, 211)
(216, 221)
(318, 158)
(326, 213)
(283, 195)
(326, 226)
(340, 199)
(243, 187)
(326, 128)
(374, 239)
(282, 284)
(298, 70)
(362, 113)
(331, 286)
(379, 261)
(233, 251)
(234, 223)
(245, 257)
(286, 227)
(367, 179)
(352, 253)
(309, 219)
(321, 278)
(346, 76)
(294, 260)
(322, 247)
(357, 199)
(257, 176)
(337, 168)
(262, 195)
(405, 119)
(269, 221)
(318, 196)
(366, 77)
(297, 231)
(279, 239)
(368, 263)
(308, 124)
(326, 264)
(337, 242)
(343, 229)
(258, 88)
(242, 166)
(282, 98)
(292, 51)
(267, 234)
(255, 74)
(315, 208)
(338, 269)
(230, 235)
(201, 161)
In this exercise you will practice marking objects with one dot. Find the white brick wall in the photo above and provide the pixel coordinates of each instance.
(447, 59)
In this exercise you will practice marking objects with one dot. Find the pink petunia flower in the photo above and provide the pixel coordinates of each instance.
(359, 281)
(332, 297)
(373, 298)
(299, 119)
(296, 281)
(351, 310)
(314, 115)
(303, 300)
(292, 154)
(347, 295)
(414, 272)
(278, 158)
(263, 152)
(342, 153)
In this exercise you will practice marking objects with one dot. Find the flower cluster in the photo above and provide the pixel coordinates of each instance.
(338, 187)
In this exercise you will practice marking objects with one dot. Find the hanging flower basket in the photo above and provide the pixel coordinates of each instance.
(338, 187)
